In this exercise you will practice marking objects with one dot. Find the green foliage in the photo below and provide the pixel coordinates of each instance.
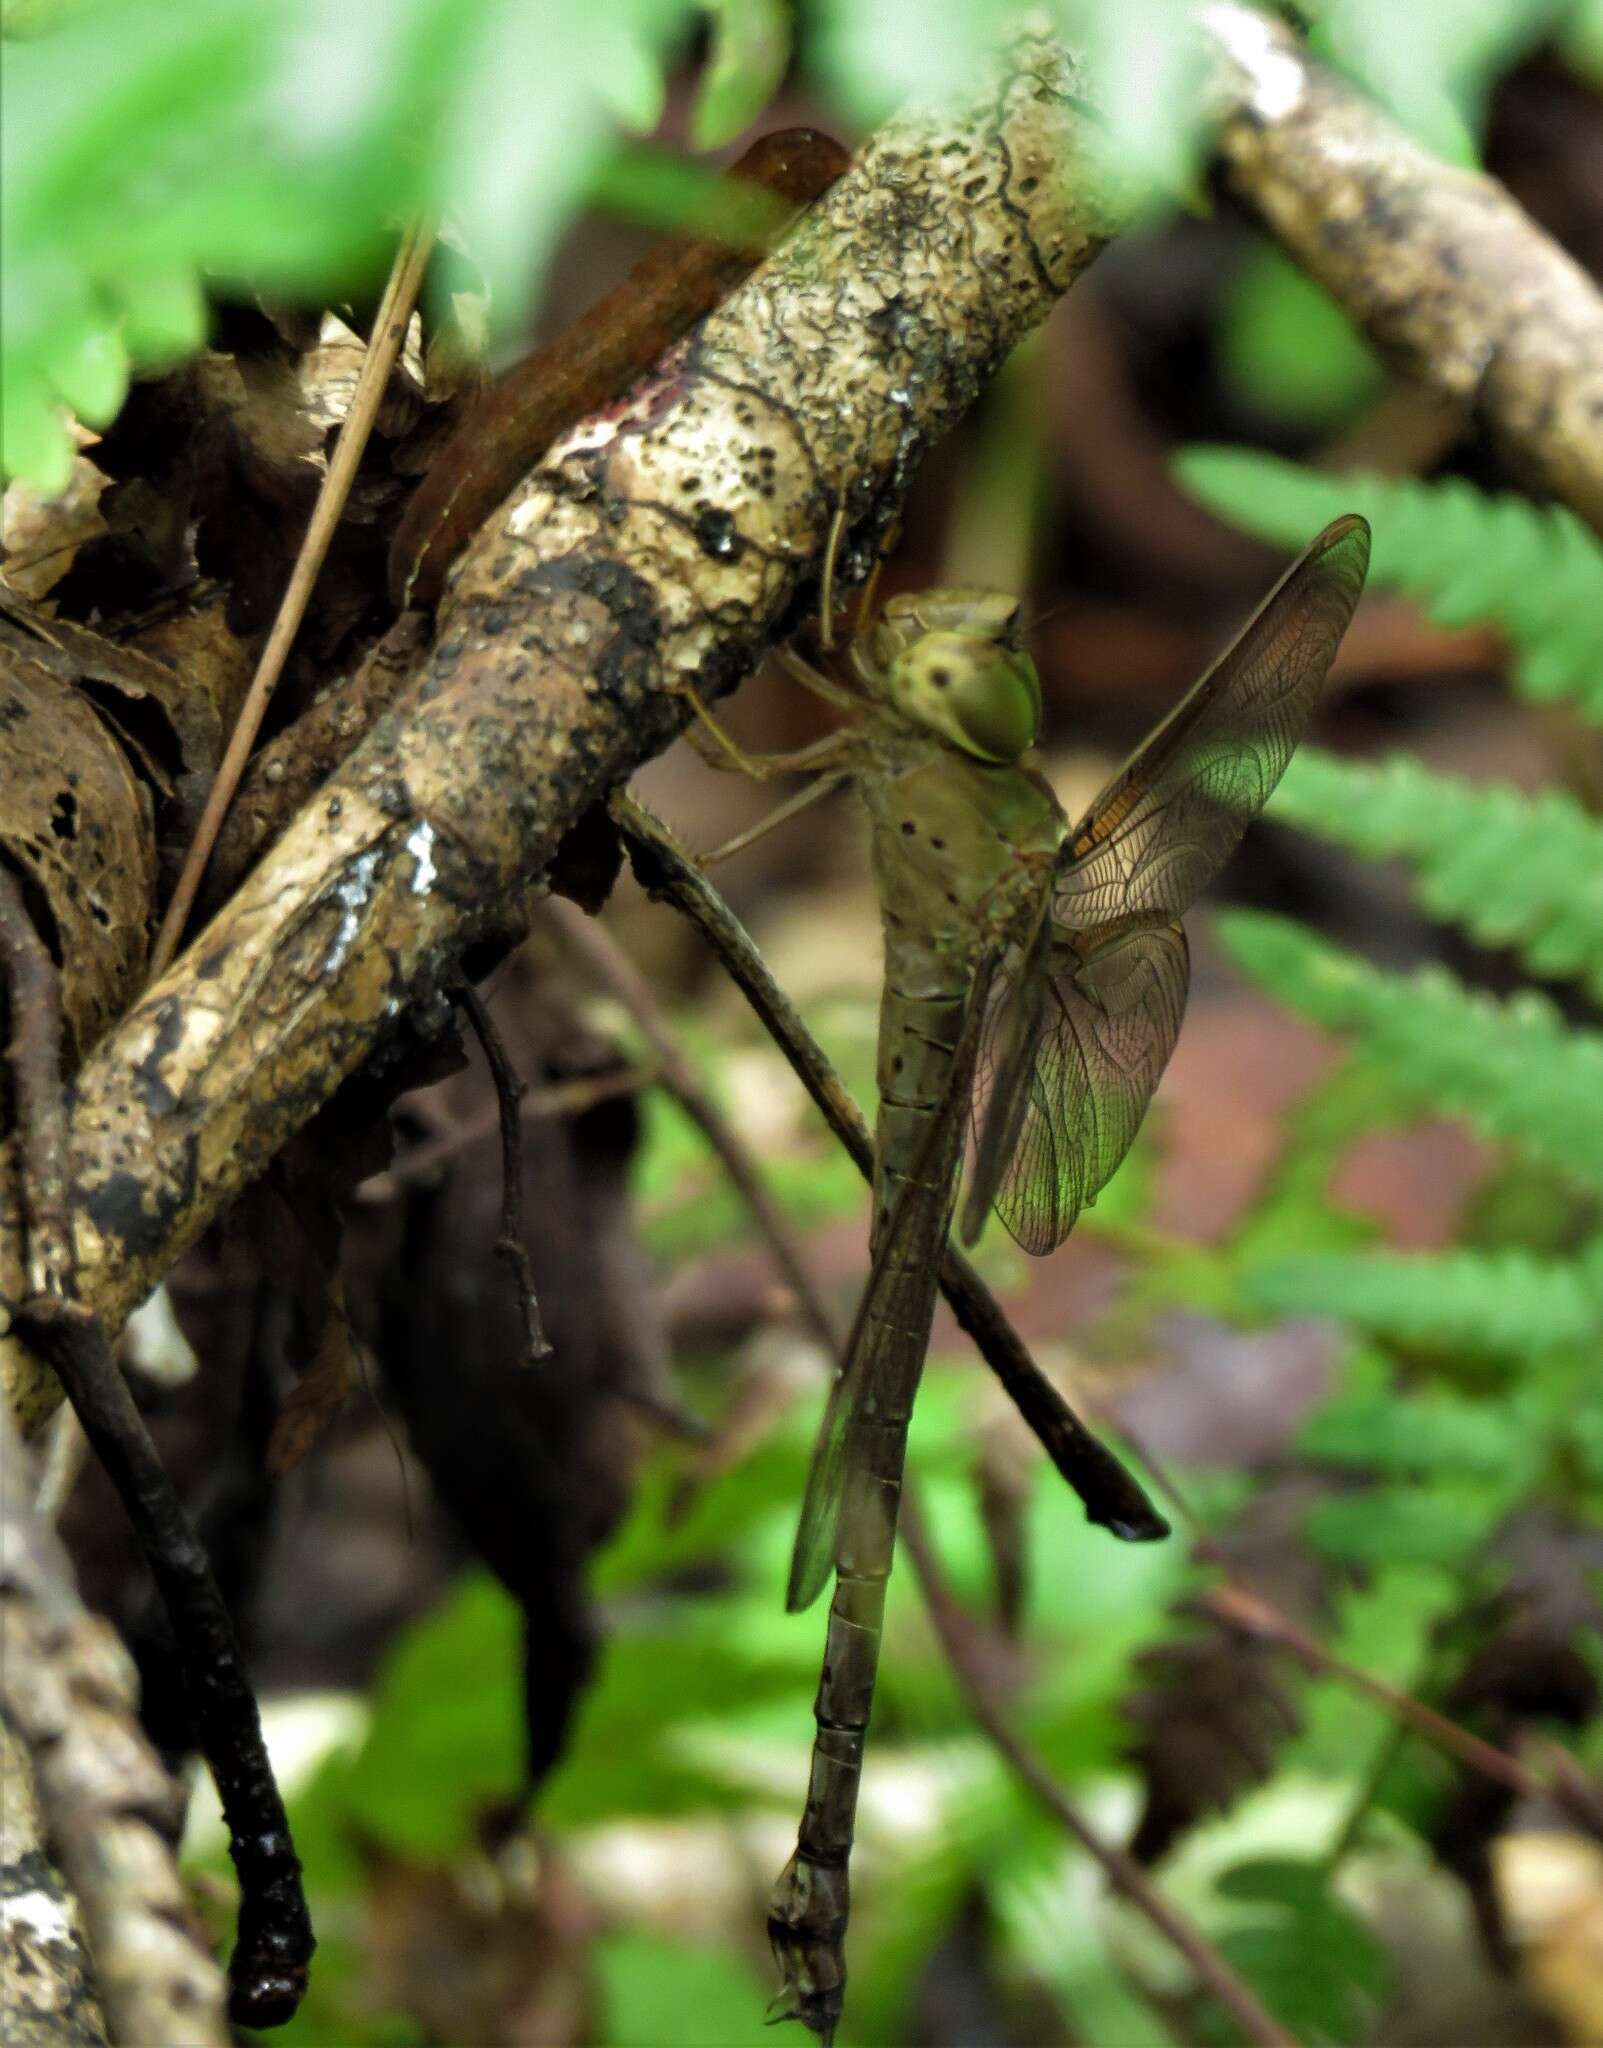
(1535, 572)
(1511, 1068)
(1288, 348)
(270, 144)
(1498, 1303)
(655, 1991)
(751, 48)
(1318, 1967)
(1513, 870)
(1433, 62)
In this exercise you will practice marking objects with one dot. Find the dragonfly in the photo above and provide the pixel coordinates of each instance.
(1035, 978)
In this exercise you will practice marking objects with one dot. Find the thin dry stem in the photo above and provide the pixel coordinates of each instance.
(957, 1633)
(389, 331)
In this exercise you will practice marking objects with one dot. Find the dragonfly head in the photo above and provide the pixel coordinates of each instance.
(952, 661)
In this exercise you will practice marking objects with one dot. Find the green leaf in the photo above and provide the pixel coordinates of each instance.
(1582, 39)
(872, 59)
(1513, 870)
(1432, 62)
(1288, 348)
(446, 1736)
(676, 1994)
(1506, 1304)
(1423, 1433)
(1403, 1526)
(276, 144)
(1311, 1960)
(745, 67)
(1533, 571)
(1511, 1068)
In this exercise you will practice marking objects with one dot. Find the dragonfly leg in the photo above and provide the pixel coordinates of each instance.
(814, 679)
(826, 581)
(822, 786)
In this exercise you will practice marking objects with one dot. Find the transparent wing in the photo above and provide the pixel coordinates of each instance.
(891, 1327)
(1071, 1056)
(1171, 818)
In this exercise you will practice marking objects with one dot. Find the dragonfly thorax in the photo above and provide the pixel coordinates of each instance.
(950, 660)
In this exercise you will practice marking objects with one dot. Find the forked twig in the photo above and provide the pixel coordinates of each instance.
(680, 1078)
(1111, 1495)
(274, 1941)
(389, 329)
(1238, 1606)
(1567, 1787)
(1121, 1869)
(510, 1245)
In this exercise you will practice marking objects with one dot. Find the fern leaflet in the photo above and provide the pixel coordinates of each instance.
(1513, 870)
(1533, 570)
(1511, 1068)
(1494, 1304)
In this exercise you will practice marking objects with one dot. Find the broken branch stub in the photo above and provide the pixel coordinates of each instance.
(1439, 266)
(663, 543)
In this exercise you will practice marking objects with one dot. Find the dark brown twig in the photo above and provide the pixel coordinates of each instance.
(955, 1629)
(603, 959)
(1113, 1498)
(571, 1097)
(510, 1245)
(274, 1942)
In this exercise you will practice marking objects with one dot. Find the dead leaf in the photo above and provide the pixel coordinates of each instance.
(319, 1394)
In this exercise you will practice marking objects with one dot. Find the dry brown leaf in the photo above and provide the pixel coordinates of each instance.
(77, 826)
(41, 536)
(319, 1394)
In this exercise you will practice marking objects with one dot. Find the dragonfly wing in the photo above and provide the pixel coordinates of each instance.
(1171, 818)
(1072, 1055)
(899, 1298)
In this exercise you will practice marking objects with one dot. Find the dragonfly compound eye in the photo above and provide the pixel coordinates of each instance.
(981, 695)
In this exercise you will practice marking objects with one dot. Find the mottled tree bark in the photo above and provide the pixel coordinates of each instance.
(99, 1937)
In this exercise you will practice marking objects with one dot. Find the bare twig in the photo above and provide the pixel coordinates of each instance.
(510, 1245)
(603, 960)
(268, 1967)
(69, 1731)
(389, 330)
(958, 1640)
(1111, 1495)
(571, 1097)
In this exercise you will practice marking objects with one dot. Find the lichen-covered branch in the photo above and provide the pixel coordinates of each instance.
(1440, 268)
(663, 544)
(81, 1792)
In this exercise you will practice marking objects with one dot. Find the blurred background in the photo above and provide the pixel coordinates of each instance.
(1343, 1306)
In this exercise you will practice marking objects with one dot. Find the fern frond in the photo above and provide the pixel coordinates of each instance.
(1512, 870)
(1496, 1304)
(1512, 1069)
(1469, 558)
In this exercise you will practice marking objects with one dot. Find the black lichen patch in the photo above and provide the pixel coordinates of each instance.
(154, 1092)
(628, 600)
(117, 1209)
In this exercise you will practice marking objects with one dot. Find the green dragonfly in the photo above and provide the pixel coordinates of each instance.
(1035, 977)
